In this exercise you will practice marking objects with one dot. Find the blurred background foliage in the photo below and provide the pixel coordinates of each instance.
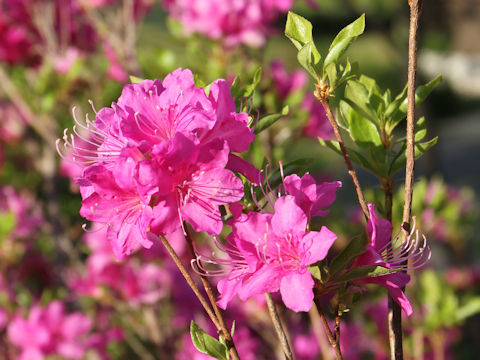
(447, 295)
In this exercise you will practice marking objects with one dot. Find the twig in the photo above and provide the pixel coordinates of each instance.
(394, 310)
(282, 336)
(208, 289)
(324, 101)
(337, 325)
(317, 330)
(330, 335)
(189, 280)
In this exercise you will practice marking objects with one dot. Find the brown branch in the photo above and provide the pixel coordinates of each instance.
(330, 335)
(318, 332)
(282, 336)
(361, 199)
(394, 310)
(208, 289)
(189, 280)
(338, 314)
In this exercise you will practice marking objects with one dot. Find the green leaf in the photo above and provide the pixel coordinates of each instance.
(400, 159)
(7, 224)
(319, 270)
(361, 272)
(344, 38)
(237, 91)
(331, 71)
(358, 97)
(370, 84)
(347, 256)
(420, 129)
(206, 343)
(298, 30)
(355, 156)
(198, 82)
(363, 131)
(236, 88)
(135, 80)
(268, 120)
(422, 92)
(233, 328)
(257, 76)
(306, 58)
(470, 308)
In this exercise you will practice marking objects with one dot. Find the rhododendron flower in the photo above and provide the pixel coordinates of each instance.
(135, 282)
(309, 195)
(271, 252)
(160, 156)
(50, 331)
(22, 41)
(377, 253)
(286, 83)
(63, 63)
(235, 22)
(318, 124)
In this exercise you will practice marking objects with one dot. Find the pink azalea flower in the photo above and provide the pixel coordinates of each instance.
(50, 331)
(63, 63)
(235, 22)
(318, 124)
(12, 123)
(115, 69)
(312, 198)
(270, 252)
(380, 235)
(135, 282)
(21, 42)
(286, 83)
(119, 205)
(193, 191)
(158, 157)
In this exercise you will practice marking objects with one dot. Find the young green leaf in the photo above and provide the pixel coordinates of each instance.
(134, 79)
(360, 272)
(319, 271)
(400, 160)
(206, 343)
(347, 256)
(358, 97)
(344, 38)
(298, 30)
(363, 131)
(268, 120)
(306, 58)
(422, 92)
(355, 156)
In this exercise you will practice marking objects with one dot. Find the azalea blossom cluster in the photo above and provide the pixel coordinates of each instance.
(22, 35)
(159, 156)
(50, 330)
(270, 251)
(235, 22)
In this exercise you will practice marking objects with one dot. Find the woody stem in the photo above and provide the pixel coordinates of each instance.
(348, 162)
(277, 324)
(208, 289)
(330, 335)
